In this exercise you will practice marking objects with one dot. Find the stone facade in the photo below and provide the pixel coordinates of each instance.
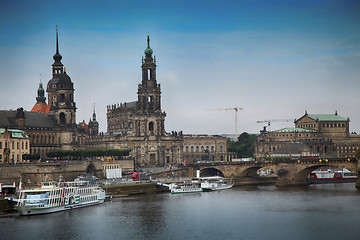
(13, 145)
(138, 125)
(204, 148)
(314, 135)
(52, 126)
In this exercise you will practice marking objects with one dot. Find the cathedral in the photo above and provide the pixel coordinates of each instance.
(138, 126)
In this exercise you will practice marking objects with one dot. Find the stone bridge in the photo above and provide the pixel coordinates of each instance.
(290, 173)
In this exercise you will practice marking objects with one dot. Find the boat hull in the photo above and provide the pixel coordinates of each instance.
(31, 210)
(207, 189)
(175, 191)
(332, 180)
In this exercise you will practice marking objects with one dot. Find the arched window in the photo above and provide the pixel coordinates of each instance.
(192, 149)
(197, 148)
(62, 118)
(151, 126)
(187, 149)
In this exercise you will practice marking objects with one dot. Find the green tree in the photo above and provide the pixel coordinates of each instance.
(244, 146)
(79, 154)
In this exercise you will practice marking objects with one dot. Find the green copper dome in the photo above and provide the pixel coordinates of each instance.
(148, 51)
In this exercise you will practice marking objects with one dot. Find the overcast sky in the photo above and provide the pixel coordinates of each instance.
(275, 59)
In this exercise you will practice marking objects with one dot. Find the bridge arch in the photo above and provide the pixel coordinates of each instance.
(209, 172)
(91, 169)
(250, 172)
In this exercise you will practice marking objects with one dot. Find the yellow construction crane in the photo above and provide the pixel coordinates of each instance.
(236, 109)
(274, 120)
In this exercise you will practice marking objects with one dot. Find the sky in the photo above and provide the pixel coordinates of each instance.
(275, 59)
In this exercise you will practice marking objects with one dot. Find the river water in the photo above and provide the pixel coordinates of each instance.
(328, 211)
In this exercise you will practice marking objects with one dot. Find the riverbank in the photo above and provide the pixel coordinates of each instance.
(121, 190)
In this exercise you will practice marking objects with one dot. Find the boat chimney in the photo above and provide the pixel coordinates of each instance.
(198, 173)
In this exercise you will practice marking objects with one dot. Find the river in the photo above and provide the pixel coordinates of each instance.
(328, 211)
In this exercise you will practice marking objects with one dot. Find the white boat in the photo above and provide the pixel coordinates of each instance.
(186, 187)
(215, 183)
(53, 197)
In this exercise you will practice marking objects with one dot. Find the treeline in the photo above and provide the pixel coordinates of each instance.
(30, 156)
(244, 147)
(91, 153)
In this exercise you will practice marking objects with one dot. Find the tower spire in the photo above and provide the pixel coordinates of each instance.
(57, 65)
(57, 57)
(41, 93)
(148, 51)
(94, 114)
(57, 39)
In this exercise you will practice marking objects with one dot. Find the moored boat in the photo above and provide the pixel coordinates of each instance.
(186, 187)
(332, 176)
(216, 183)
(53, 197)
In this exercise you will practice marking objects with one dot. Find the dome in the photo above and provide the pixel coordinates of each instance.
(148, 51)
(60, 81)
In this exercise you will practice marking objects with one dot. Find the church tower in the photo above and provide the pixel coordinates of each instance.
(40, 105)
(60, 91)
(150, 118)
(93, 125)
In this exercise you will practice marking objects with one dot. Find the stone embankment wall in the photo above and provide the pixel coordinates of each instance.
(120, 190)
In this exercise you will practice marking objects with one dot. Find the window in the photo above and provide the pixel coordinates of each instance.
(13, 144)
(0, 145)
(62, 118)
(17, 145)
(151, 126)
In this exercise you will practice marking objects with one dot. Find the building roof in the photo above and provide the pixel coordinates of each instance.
(41, 107)
(327, 117)
(15, 133)
(32, 119)
(294, 130)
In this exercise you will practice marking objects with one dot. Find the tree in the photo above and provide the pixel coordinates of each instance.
(79, 154)
(244, 146)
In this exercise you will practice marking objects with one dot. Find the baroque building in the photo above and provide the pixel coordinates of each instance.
(140, 124)
(314, 135)
(204, 148)
(13, 145)
(51, 125)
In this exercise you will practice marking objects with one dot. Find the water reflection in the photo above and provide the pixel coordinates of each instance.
(329, 211)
